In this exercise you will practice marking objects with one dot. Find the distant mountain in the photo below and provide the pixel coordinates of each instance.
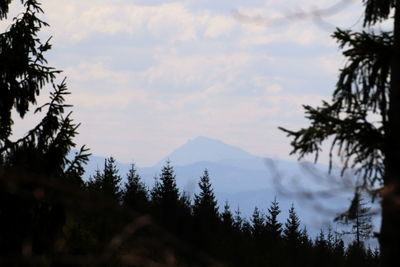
(205, 149)
(246, 181)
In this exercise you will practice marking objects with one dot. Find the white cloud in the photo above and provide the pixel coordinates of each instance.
(204, 72)
(219, 26)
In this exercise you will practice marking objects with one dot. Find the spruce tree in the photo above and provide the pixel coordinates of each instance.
(227, 217)
(355, 255)
(135, 194)
(321, 250)
(257, 222)
(107, 182)
(166, 198)
(166, 192)
(36, 171)
(362, 119)
(238, 220)
(273, 226)
(359, 217)
(291, 231)
(110, 184)
(205, 205)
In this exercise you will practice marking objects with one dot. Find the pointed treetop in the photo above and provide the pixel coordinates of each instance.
(205, 202)
(292, 225)
(274, 227)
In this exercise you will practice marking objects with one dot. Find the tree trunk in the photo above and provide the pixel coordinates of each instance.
(390, 228)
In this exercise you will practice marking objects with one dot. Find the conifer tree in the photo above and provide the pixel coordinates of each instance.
(205, 205)
(362, 119)
(359, 217)
(166, 198)
(355, 255)
(338, 253)
(226, 216)
(321, 250)
(320, 240)
(106, 182)
(330, 239)
(135, 195)
(273, 226)
(166, 192)
(35, 168)
(257, 225)
(291, 231)
(110, 184)
(238, 220)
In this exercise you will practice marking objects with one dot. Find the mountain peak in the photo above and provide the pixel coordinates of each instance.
(204, 148)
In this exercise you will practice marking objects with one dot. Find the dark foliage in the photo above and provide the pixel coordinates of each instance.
(37, 176)
(367, 88)
(50, 217)
(135, 195)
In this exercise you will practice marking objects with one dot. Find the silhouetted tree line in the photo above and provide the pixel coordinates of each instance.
(182, 231)
(50, 216)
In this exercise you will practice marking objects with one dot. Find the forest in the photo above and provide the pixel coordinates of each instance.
(101, 222)
(51, 216)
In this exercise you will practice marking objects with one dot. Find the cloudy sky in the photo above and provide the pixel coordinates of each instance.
(147, 75)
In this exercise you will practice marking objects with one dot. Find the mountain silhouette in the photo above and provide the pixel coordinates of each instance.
(246, 180)
(205, 149)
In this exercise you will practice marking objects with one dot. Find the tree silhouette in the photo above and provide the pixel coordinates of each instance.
(227, 218)
(368, 87)
(291, 231)
(36, 171)
(258, 226)
(205, 211)
(166, 199)
(292, 237)
(205, 204)
(106, 182)
(359, 217)
(273, 226)
(135, 195)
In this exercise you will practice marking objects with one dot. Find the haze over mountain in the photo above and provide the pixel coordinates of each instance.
(205, 149)
(246, 180)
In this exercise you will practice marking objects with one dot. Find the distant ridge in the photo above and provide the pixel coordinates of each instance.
(205, 149)
(245, 180)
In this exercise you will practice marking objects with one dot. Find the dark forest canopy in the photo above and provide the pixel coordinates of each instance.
(50, 216)
(196, 232)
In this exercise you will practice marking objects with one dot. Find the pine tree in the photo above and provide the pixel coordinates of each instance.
(166, 198)
(355, 255)
(205, 213)
(238, 220)
(35, 168)
(321, 250)
(205, 204)
(166, 192)
(359, 217)
(135, 195)
(258, 226)
(320, 240)
(111, 180)
(363, 119)
(338, 253)
(330, 239)
(291, 231)
(273, 226)
(107, 182)
(227, 218)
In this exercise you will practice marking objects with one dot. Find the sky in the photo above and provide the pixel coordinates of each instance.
(148, 75)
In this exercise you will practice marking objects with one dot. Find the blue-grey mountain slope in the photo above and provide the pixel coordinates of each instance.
(246, 181)
(205, 149)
